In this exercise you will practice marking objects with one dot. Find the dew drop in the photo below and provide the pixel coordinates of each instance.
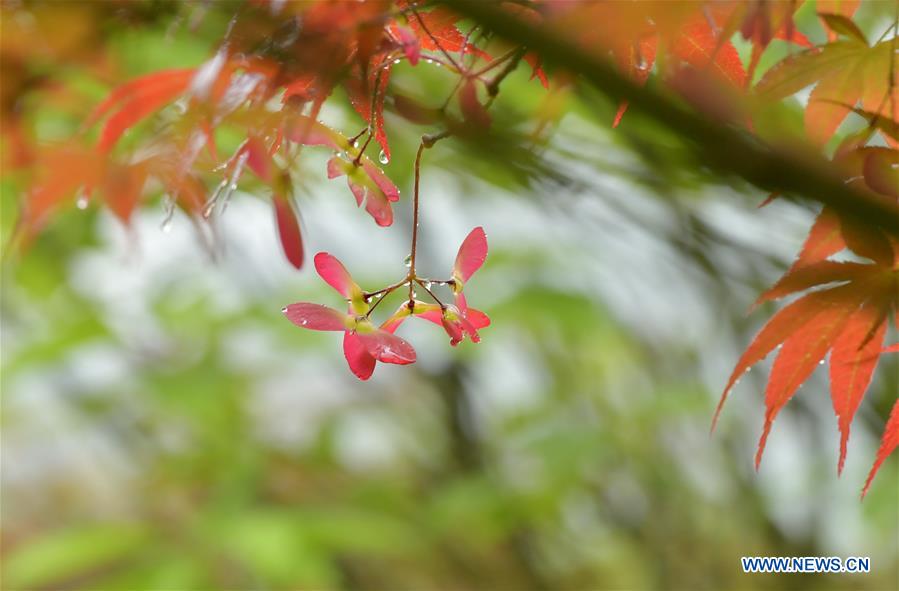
(284, 310)
(82, 201)
(382, 158)
(821, 362)
(408, 260)
(355, 143)
(414, 294)
(167, 226)
(427, 284)
(396, 61)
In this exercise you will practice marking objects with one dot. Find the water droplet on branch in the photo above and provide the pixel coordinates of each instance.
(408, 260)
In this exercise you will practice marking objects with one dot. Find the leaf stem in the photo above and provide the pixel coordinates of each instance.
(493, 64)
(423, 283)
(415, 212)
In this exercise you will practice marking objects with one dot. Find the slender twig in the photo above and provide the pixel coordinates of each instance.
(386, 292)
(415, 208)
(449, 67)
(424, 285)
(353, 139)
(452, 93)
(883, 36)
(437, 281)
(493, 85)
(493, 64)
(369, 294)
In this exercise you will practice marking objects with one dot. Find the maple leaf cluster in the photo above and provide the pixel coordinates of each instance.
(296, 53)
(280, 61)
(848, 305)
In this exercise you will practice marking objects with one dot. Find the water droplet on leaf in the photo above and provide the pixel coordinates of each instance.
(82, 201)
(382, 158)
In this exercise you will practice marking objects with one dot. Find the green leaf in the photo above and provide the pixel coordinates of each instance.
(57, 556)
(804, 69)
(844, 26)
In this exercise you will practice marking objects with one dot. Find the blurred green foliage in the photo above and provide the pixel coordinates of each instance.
(203, 443)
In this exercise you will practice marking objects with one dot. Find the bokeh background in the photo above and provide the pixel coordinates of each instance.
(165, 428)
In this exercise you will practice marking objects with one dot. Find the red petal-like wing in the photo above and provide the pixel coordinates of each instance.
(289, 230)
(335, 274)
(315, 316)
(472, 254)
(361, 363)
(387, 347)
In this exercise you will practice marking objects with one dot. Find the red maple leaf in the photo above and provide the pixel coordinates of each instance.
(845, 314)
